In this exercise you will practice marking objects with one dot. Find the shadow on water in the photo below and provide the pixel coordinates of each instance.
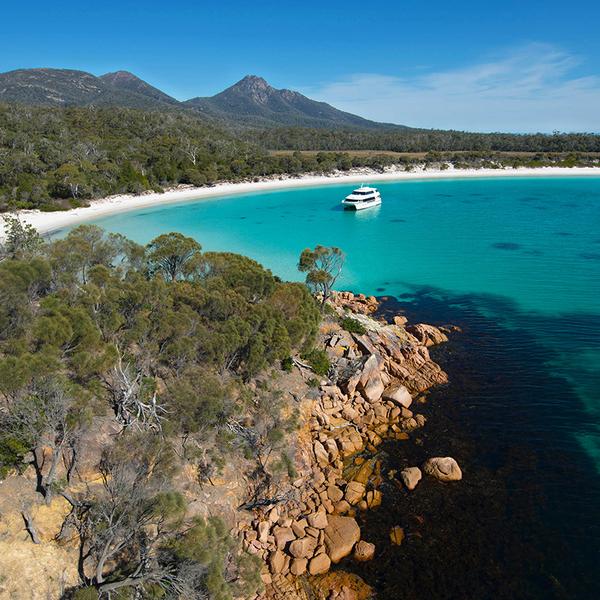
(524, 523)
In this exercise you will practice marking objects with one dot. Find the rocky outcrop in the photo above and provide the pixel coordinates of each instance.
(354, 303)
(443, 468)
(368, 398)
(427, 334)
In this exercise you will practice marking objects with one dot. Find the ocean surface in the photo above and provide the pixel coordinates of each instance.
(515, 262)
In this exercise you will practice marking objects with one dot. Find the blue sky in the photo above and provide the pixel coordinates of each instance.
(518, 66)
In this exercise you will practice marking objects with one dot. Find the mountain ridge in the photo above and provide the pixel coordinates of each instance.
(253, 101)
(250, 102)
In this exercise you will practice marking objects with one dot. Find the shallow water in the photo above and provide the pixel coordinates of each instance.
(516, 262)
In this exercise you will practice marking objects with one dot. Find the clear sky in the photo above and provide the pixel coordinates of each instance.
(510, 65)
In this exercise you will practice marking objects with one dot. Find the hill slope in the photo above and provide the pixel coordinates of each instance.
(128, 82)
(67, 87)
(253, 102)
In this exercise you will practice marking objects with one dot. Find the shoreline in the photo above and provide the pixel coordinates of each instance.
(48, 222)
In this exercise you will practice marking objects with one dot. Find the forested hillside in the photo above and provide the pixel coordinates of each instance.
(52, 158)
(157, 344)
(419, 140)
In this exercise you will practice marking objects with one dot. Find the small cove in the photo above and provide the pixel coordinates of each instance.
(514, 262)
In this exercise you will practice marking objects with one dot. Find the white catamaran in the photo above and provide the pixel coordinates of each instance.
(361, 198)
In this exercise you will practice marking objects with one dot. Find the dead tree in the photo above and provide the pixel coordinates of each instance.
(132, 410)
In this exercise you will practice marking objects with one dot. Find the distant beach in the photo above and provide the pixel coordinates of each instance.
(47, 222)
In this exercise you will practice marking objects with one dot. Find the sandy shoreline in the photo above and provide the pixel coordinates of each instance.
(46, 222)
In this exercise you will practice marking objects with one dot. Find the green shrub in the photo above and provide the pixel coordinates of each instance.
(12, 451)
(287, 363)
(86, 593)
(318, 360)
(352, 326)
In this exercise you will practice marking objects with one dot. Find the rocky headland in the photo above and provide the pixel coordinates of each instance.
(379, 373)
(302, 527)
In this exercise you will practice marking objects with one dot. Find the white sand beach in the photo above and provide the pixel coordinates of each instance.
(47, 222)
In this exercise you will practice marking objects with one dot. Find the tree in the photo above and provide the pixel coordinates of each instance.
(173, 255)
(122, 527)
(84, 247)
(47, 417)
(22, 239)
(67, 181)
(134, 536)
(322, 266)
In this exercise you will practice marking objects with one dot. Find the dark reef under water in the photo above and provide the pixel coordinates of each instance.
(524, 523)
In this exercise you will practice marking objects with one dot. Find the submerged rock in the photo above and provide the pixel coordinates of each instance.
(364, 551)
(397, 535)
(411, 477)
(443, 468)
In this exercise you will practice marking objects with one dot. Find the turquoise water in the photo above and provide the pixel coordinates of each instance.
(515, 263)
(526, 251)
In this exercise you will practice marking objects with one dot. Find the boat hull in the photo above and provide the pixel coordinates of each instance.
(361, 205)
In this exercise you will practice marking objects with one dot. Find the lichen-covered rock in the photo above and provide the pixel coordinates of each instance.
(443, 468)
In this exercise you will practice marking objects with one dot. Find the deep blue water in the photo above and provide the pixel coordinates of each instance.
(516, 263)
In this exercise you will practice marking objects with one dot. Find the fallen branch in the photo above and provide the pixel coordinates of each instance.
(30, 527)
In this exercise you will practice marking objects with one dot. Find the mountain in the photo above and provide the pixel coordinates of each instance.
(253, 102)
(128, 82)
(67, 87)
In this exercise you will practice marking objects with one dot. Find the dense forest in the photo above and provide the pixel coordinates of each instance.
(161, 340)
(55, 158)
(52, 158)
(420, 140)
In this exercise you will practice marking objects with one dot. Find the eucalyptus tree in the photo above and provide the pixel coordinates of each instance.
(322, 266)
(21, 239)
(173, 255)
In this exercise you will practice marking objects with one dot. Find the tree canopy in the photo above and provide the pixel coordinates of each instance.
(322, 266)
(161, 340)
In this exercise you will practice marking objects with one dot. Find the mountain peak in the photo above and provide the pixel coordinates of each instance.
(254, 81)
(255, 88)
(253, 101)
(119, 76)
